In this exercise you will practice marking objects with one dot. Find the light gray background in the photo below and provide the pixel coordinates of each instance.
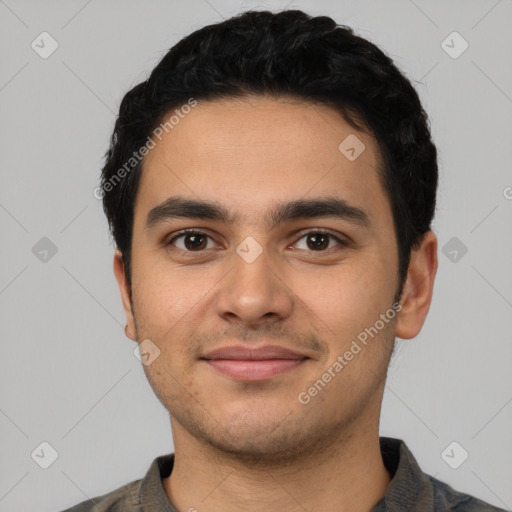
(68, 374)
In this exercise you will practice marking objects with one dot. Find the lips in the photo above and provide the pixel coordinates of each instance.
(252, 364)
(253, 354)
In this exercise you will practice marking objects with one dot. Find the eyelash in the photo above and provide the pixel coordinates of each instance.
(340, 241)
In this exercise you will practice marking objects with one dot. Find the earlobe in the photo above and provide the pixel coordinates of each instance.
(418, 288)
(124, 289)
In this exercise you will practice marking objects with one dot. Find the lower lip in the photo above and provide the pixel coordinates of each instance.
(251, 370)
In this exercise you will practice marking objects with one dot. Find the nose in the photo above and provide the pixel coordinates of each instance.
(254, 293)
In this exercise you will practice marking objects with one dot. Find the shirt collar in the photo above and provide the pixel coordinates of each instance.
(409, 489)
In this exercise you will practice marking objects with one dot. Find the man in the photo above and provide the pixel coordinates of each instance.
(270, 189)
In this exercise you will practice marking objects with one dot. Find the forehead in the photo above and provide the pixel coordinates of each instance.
(253, 152)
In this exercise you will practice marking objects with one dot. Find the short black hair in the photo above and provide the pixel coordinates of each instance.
(283, 54)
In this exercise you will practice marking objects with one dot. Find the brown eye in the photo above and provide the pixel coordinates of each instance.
(318, 241)
(193, 241)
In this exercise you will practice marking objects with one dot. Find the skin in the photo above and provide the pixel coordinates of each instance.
(254, 446)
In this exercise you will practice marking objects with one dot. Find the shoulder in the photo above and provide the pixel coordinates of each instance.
(412, 489)
(146, 493)
(123, 499)
(447, 498)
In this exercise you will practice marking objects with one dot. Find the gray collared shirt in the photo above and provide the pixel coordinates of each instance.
(410, 490)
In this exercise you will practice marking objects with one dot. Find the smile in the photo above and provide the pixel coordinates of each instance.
(253, 370)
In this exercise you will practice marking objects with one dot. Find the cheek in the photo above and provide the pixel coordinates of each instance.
(343, 301)
(163, 297)
(173, 309)
(166, 290)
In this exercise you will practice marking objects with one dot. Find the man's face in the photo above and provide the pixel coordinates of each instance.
(306, 292)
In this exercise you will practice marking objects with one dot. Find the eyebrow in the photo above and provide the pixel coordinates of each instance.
(179, 207)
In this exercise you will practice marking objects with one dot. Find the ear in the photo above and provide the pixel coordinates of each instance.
(124, 288)
(418, 288)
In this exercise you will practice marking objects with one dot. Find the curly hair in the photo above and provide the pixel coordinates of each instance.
(287, 53)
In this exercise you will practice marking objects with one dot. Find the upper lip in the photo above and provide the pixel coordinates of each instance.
(237, 352)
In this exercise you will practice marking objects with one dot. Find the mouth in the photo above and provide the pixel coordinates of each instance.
(253, 370)
(245, 364)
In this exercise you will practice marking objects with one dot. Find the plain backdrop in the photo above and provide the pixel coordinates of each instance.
(68, 375)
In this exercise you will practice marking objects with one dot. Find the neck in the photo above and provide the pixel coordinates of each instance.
(348, 475)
